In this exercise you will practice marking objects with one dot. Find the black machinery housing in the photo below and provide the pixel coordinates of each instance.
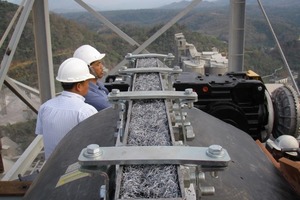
(234, 98)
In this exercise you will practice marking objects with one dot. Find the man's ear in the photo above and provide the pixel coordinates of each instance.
(78, 87)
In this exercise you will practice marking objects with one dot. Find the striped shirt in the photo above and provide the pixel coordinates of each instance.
(58, 116)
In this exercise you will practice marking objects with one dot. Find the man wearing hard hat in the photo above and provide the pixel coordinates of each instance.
(59, 115)
(97, 94)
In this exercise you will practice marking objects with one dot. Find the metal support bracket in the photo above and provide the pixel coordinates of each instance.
(162, 70)
(169, 56)
(185, 96)
(214, 157)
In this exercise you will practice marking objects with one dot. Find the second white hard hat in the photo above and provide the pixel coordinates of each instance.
(88, 54)
(285, 142)
(73, 70)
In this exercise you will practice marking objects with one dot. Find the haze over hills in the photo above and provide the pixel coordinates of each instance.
(220, 3)
(140, 24)
(67, 6)
(67, 35)
(104, 5)
(211, 18)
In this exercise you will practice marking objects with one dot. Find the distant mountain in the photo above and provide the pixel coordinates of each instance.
(205, 27)
(221, 3)
(67, 35)
(63, 6)
(278, 3)
(182, 4)
(211, 18)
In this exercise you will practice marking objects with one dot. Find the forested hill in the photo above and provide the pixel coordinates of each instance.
(205, 28)
(212, 19)
(68, 34)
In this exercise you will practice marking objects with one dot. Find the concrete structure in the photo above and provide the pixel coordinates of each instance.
(191, 60)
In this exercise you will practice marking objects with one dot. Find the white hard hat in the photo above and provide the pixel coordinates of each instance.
(88, 54)
(286, 141)
(73, 70)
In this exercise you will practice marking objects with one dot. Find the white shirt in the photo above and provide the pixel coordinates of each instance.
(58, 116)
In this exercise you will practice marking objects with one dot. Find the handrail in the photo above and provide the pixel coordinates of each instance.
(26, 159)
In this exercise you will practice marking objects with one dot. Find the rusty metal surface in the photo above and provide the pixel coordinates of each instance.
(13, 188)
(291, 171)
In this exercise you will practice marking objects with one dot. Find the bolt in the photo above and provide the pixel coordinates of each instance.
(115, 91)
(102, 192)
(115, 105)
(188, 91)
(201, 176)
(8, 51)
(176, 68)
(186, 177)
(123, 68)
(92, 150)
(207, 190)
(190, 105)
(215, 151)
(214, 174)
(259, 88)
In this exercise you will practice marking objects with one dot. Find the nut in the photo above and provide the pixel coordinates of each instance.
(188, 91)
(115, 91)
(215, 151)
(93, 149)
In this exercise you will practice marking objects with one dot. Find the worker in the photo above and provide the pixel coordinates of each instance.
(97, 94)
(57, 116)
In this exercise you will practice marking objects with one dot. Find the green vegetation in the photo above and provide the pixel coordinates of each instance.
(208, 26)
(22, 133)
(204, 27)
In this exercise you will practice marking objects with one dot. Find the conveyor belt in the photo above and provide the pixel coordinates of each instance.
(148, 125)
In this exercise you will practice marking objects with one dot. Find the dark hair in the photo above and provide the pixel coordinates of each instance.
(69, 86)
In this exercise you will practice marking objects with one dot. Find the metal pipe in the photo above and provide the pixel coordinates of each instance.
(236, 35)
